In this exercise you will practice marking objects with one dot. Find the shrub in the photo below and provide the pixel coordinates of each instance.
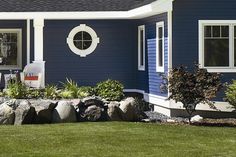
(193, 88)
(35, 93)
(85, 91)
(51, 92)
(16, 90)
(230, 94)
(66, 94)
(71, 87)
(111, 90)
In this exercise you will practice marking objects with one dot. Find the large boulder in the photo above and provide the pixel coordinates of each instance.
(64, 113)
(24, 113)
(129, 109)
(93, 100)
(7, 114)
(114, 112)
(43, 109)
(93, 113)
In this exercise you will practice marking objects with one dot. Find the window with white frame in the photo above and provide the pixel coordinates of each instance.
(160, 47)
(10, 49)
(217, 50)
(82, 40)
(141, 47)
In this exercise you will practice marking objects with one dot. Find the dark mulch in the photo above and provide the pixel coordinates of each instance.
(229, 122)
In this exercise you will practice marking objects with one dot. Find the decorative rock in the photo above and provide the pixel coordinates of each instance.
(170, 121)
(196, 118)
(114, 112)
(129, 109)
(76, 103)
(7, 114)
(24, 113)
(44, 109)
(94, 100)
(12, 103)
(64, 113)
(93, 113)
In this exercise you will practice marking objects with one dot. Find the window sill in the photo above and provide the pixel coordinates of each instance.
(141, 68)
(160, 69)
(221, 70)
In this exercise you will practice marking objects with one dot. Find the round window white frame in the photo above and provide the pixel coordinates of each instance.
(92, 33)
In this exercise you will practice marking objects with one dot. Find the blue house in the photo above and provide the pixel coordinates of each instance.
(133, 41)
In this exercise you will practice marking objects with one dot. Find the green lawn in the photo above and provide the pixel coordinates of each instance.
(111, 139)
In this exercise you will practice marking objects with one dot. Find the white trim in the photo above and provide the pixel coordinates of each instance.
(18, 31)
(38, 39)
(93, 34)
(231, 23)
(28, 41)
(160, 25)
(134, 91)
(141, 67)
(156, 7)
(169, 43)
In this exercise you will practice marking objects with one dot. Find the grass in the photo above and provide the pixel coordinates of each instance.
(114, 139)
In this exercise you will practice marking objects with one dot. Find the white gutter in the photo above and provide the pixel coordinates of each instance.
(154, 8)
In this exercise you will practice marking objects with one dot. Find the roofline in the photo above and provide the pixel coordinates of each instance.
(156, 7)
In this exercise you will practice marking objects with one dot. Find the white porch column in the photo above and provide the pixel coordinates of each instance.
(38, 45)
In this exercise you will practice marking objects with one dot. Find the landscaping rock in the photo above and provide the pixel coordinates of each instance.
(93, 100)
(24, 113)
(114, 112)
(64, 113)
(129, 109)
(44, 109)
(196, 118)
(11, 103)
(76, 103)
(7, 115)
(93, 113)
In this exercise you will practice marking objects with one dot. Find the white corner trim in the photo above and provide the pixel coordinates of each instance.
(141, 67)
(156, 7)
(28, 41)
(160, 25)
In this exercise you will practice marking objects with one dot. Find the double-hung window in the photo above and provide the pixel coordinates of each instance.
(141, 48)
(160, 47)
(217, 50)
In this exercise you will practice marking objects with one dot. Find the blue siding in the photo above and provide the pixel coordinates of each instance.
(150, 80)
(113, 58)
(15, 24)
(185, 28)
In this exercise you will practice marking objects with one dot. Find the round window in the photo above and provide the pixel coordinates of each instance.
(82, 40)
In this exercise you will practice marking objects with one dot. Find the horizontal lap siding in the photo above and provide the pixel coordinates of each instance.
(113, 58)
(186, 14)
(154, 79)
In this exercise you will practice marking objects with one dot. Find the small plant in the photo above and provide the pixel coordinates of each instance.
(71, 86)
(66, 94)
(51, 92)
(230, 94)
(16, 90)
(85, 91)
(192, 88)
(111, 90)
(35, 93)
